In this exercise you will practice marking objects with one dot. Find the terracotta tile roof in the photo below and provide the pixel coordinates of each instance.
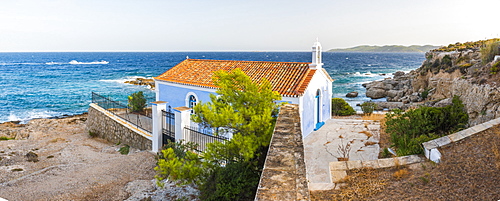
(288, 78)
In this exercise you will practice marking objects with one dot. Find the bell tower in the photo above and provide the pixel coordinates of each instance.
(316, 56)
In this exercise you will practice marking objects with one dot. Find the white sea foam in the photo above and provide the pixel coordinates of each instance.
(33, 114)
(128, 78)
(93, 62)
(8, 64)
(369, 74)
(54, 63)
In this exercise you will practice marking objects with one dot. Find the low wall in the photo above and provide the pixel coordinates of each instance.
(116, 130)
(431, 147)
(338, 169)
(284, 174)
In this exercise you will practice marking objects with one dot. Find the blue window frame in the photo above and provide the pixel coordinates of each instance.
(192, 102)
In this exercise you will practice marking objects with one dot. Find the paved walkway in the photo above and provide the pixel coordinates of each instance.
(322, 147)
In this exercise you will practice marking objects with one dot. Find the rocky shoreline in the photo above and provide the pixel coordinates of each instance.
(56, 159)
(444, 74)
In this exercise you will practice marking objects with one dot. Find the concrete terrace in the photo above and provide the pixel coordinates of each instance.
(322, 147)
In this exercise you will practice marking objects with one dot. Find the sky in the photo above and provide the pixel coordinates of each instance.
(239, 25)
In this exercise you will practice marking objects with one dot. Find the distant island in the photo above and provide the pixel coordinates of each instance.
(387, 48)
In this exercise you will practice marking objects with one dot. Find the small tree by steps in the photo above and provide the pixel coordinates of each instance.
(137, 102)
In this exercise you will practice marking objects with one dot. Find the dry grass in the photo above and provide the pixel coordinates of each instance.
(370, 143)
(367, 133)
(401, 173)
(359, 184)
(496, 150)
(57, 140)
(373, 117)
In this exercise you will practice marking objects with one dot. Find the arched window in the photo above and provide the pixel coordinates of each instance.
(192, 101)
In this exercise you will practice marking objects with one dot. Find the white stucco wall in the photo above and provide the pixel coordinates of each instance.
(308, 103)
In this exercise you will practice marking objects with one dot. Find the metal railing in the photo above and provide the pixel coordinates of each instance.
(140, 120)
(201, 137)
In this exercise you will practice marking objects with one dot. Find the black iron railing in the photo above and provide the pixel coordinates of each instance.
(201, 137)
(168, 125)
(140, 120)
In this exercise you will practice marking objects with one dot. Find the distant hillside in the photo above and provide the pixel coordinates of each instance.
(387, 48)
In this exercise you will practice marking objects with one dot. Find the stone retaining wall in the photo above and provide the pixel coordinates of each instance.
(116, 130)
(284, 174)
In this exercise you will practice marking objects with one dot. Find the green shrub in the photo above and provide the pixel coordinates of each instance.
(424, 94)
(137, 102)
(92, 134)
(446, 61)
(5, 138)
(341, 108)
(493, 70)
(467, 65)
(368, 107)
(236, 181)
(497, 64)
(124, 150)
(462, 59)
(489, 50)
(409, 129)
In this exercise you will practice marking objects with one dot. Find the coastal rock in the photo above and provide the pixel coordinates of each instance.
(376, 93)
(352, 94)
(399, 74)
(445, 74)
(443, 103)
(32, 157)
(142, 81)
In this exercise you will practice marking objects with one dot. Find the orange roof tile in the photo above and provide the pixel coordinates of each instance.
(288, 78)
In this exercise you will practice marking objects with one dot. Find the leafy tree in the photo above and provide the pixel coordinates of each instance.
(247, 110)
(341, 108)
(243, 108)
(137, 102)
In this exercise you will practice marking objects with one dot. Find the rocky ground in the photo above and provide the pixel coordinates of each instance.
(71, 165)
(470, 170)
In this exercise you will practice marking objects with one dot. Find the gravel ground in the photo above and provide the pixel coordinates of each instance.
(71, 165)
(470, 170)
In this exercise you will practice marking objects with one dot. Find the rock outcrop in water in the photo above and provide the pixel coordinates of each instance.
(456, 70)
(142, 81)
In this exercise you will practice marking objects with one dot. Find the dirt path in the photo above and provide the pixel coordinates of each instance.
(71, 166)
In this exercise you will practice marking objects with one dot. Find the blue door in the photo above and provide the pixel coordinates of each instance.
(319, 123)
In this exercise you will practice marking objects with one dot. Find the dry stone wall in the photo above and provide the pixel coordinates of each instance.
(106, 125)
(284, 174)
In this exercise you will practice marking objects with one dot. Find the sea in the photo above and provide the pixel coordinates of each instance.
(55, 84)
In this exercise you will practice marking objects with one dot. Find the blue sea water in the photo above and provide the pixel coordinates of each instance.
(41, 85)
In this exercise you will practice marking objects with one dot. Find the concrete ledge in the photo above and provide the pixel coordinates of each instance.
(321, 186)
(354, 164)
(442, 141)
(379, 163)
(455, 137)
(431, 147)
(339, 165)
(430, 144)
(337, 176)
